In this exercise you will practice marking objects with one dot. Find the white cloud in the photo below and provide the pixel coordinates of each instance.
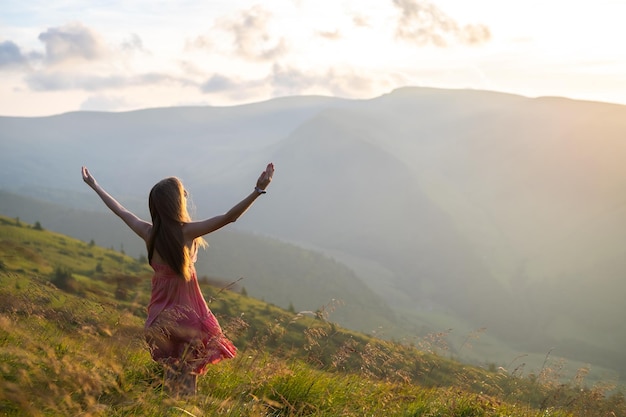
(12, 57)
(330, 35)
(252, 38)
(360, 20)
(233, 51)
(423, 23)
(72, 42)
(337, 81)
(61, 80)
(104, 103)
(133, 44)
(218, 83)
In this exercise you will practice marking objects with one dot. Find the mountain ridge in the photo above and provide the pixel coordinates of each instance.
(471, 201)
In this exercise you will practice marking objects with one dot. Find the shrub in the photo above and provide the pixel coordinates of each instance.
(63, 279)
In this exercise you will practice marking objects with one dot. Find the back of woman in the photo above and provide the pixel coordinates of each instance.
(183, 334)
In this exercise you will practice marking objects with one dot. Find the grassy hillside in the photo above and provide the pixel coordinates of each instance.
(279, 273)
(76, 348)
(455, 207)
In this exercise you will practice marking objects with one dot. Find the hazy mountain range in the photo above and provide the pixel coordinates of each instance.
(461, 209)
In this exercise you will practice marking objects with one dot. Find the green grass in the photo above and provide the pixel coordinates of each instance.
(81, 352)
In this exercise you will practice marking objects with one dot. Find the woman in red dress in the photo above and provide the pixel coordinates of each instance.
(183, 335)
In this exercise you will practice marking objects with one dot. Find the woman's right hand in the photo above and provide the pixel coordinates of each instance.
(266, 177)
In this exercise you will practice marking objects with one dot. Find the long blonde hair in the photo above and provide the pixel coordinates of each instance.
(168, 209)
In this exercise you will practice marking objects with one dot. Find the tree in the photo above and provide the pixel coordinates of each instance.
(37, 226)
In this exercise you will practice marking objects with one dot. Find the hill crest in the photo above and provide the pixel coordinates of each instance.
(479, 209)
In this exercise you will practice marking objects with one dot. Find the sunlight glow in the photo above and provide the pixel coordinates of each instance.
(229, 52)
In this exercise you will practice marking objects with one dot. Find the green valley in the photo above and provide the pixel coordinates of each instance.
(71, 343)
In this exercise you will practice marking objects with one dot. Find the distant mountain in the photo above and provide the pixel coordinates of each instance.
(458, 208)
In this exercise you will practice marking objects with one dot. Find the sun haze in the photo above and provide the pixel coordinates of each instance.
(58, 56)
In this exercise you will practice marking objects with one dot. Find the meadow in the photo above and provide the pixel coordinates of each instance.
(71, 344)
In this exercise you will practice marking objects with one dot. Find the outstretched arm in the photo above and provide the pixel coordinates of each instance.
(141, 227)
(196, 229)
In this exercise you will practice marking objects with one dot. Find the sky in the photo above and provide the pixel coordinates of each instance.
(58, 56)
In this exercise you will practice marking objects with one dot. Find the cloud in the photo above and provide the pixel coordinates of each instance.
(218, 83)
(341, 82)
(234, 88)
(252, 40)
(103, 103)
(360, 21)
(291, 81)
(200, 42)
(474, 34)
(134, 43)
(330, 35)
(11, 56)
(75, 43)
(283, 80)
(72, 42)
(423, 23)
(62, 44)
(58, 81)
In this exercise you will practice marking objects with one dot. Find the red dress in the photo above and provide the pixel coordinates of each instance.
(181, 329)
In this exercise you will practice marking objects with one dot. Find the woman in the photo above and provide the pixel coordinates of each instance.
(181, 331)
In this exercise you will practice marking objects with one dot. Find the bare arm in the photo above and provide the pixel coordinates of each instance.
(196, 229)
(140, 227)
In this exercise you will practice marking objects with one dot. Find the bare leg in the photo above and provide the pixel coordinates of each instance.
(170, 379)
(180, 381)
(189, 383)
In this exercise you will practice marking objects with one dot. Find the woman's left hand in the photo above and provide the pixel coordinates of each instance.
(88, 178)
